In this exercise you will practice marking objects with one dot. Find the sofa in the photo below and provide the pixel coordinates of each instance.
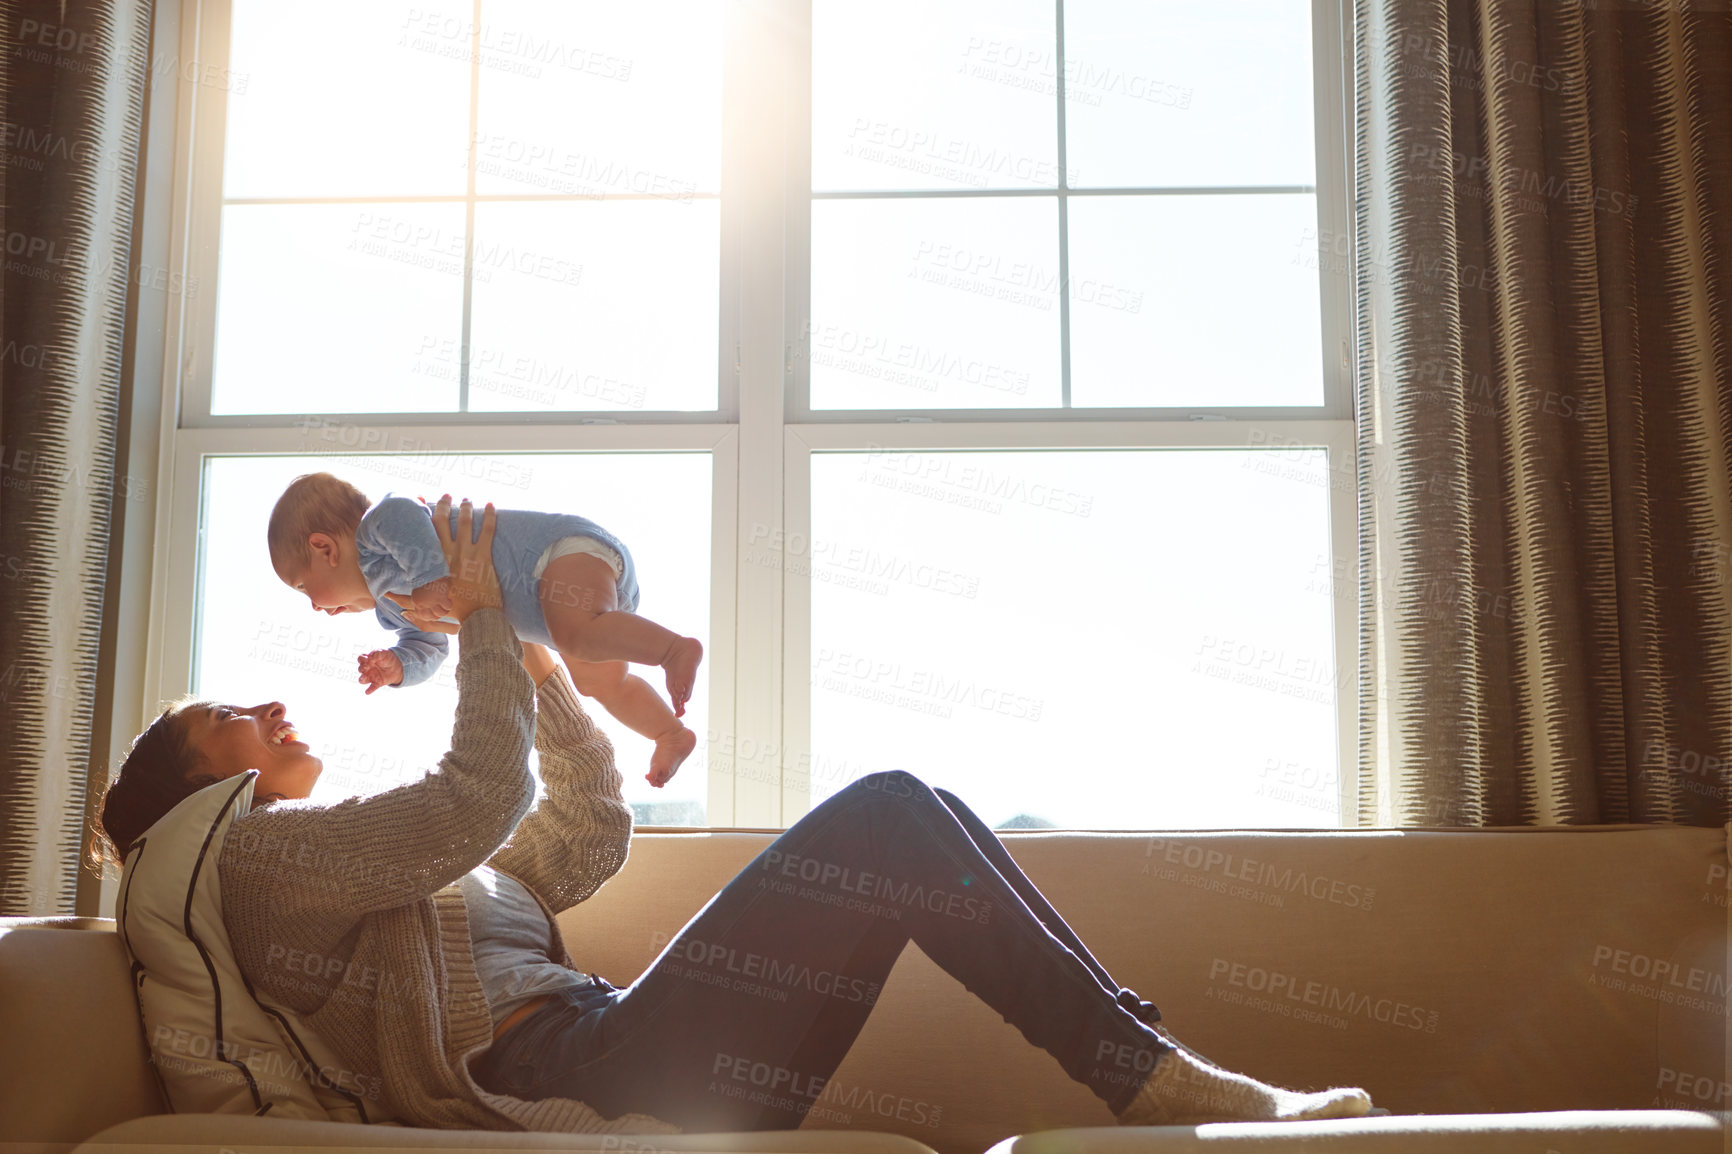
(1536, 990)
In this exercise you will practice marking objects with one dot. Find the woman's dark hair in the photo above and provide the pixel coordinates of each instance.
(160, 771)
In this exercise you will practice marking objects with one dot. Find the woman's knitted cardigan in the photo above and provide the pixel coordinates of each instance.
(348, 915)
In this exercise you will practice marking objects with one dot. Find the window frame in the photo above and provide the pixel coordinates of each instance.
(1330, 37)
(205, 169)
(760, 436)
(1328, 426)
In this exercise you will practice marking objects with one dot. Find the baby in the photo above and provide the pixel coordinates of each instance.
(565, 582)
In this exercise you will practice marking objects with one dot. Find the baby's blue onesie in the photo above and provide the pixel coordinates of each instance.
(399, 553)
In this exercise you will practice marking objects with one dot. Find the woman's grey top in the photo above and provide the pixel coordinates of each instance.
(509, 935)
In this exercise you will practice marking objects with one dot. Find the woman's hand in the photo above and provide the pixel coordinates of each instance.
(474, 584)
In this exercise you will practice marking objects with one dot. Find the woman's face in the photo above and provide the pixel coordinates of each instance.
(233, 740)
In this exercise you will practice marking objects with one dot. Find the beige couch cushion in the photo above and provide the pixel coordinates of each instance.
(1564, 1132)
(217, 1134)
(72, 1053)
(1447, 972)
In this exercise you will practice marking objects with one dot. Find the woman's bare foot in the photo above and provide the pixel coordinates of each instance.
(672, 748)
(1184, 1091)
(681, 667)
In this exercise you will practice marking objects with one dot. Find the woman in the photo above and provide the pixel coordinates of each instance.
(450, 982)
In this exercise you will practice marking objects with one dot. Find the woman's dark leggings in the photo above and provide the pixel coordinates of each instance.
(741, 1021)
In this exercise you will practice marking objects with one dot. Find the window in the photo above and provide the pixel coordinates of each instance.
(1020, 204)
(1058, 635)
(963, 374)
(426, 281)
(1073, 441)
(457, 244)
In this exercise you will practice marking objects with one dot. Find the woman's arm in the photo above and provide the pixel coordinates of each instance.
(539, 662)
(579, 834)
(340, 862)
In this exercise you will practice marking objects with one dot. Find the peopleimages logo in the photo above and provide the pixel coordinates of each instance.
(744, 1078)
(1698, 1091)
(863, 886)
(746, 972)
(836, 671)
(172, 1047)
(1278, 987)
(1659, 979)
(1233, 867)
(325, 865)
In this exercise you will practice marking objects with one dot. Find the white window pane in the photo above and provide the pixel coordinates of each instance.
(595, 305)
(334, 98)
(897, 102)
(934, 303)
(1162, 93)
(599, 98)
(1195, 300)
(337, 308)
(1108, 639)
(260, 641)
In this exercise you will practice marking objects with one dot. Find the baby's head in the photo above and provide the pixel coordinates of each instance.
(312, 539)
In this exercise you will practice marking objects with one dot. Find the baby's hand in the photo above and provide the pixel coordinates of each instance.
(432, 600)
(379, 669)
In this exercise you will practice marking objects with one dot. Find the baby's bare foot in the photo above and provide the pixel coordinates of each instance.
(681, 667)
(672, 748)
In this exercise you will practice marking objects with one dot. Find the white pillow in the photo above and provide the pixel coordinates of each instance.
(216, 1049)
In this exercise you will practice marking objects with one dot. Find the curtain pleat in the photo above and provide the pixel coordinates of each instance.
(74, 85)
(1543, 391)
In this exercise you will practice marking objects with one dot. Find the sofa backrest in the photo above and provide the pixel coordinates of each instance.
(72, 1054)
(1445, 971)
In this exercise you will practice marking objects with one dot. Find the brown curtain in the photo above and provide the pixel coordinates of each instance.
(1544, 398)
(72, 83)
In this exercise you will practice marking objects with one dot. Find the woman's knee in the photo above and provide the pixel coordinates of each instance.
(897, 783)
